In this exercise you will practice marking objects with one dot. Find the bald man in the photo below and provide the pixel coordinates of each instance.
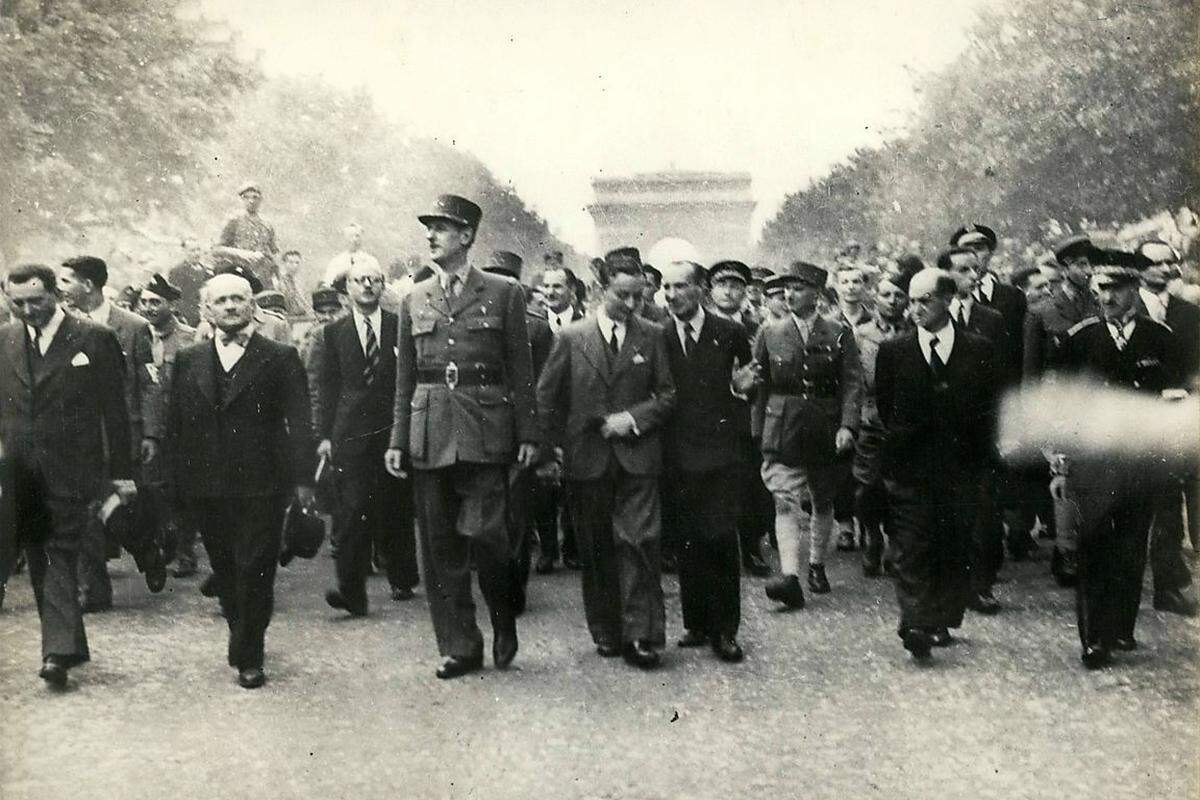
(239, 437)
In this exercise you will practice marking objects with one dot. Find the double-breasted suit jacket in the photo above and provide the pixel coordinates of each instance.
(811, 388)
(580, 386)
(464, 373)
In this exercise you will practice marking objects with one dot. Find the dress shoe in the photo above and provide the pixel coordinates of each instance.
(1094, 656)
(817, 582)
(156, 578)
(984, 603)
(846, 542)
(251, 678)
(544, 566)
(727, 649)
(1126, 644)
(786, 589)
(336, 599)
(183, 569)
(1064, 567)
(608, 649)
(756, 566)
(917, 642)
(570, 562)
(402, 593)
(1174, 601)
(693, 638)
(53, 672)
(504, 647)
(208, 586)
(940, 637)
(670, 564)
(641, 656)
(455, 666)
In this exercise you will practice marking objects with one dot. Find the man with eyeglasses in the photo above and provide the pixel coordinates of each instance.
(352, 369)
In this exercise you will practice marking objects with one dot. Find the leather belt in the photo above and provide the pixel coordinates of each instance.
(454, 375)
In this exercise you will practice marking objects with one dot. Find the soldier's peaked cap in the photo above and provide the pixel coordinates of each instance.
(730, 269)
(810, 274)
(974, 232)
(458, 210)
(1077, 246)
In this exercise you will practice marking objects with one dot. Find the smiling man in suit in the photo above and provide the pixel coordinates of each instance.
(65, 430)
(464, 414)
(936, 390)
(353, 374)
(239, 436)
(604, 394)
(703, 454)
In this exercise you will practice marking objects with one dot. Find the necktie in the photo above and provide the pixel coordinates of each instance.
(688, 343)
(371, 350)
(1118, 333)
(455, 285)
(936, 365)
(35, 342)
(239, 337)
(614, 346)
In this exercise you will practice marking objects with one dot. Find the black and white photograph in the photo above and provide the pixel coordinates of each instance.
(657, 400)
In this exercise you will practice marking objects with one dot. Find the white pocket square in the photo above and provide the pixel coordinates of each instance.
(80, 360)
(396, 351)
(638, 358)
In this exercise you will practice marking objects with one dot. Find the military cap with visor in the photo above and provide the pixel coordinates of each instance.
(453, 208)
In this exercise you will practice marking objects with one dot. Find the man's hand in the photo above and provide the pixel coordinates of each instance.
(747, 377)
(325, 450)
(527, 455)
(149, 450)
(618, 425)
(393, 462)
(126, 490)
(306, 496)
(844, 440)
(1058, 488)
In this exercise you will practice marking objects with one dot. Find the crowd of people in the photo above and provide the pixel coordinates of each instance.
(678, 418)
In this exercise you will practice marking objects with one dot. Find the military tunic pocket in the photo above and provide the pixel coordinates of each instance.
(418, 425)
(423, 325)
(498, 428)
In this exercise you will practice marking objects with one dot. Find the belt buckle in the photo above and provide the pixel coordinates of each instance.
(451, 375)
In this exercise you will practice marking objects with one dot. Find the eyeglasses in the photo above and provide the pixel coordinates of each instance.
(366, 280)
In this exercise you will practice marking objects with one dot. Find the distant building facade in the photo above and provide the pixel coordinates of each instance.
(709, 210)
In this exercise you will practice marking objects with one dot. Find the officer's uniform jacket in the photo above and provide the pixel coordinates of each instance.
(464, 373)
(1150, 361)
(869, 335)
(1045, 329)
(811, 389)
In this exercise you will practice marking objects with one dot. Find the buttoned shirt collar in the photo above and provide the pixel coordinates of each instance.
(560, 319)
(1156, 303)
(376, 318)
(46, 336)
(945, 344)
(608, 326)
(961, 307)
(101, 313)
(805, 324)
(1121, 330)
(443, 277)
(986, 287)
(696, 323)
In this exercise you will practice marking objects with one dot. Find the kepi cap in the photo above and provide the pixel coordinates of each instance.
(730, 269)
(458, 210)
(809, 274)
(505, 262)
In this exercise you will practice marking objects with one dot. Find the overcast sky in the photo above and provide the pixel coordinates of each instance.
(552, 93)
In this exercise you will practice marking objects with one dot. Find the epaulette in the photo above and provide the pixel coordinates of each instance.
(272, 313)
(1087, 322)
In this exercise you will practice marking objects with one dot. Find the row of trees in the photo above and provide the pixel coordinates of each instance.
(1055, 112)
(128, 124)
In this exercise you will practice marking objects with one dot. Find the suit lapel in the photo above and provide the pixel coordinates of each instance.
(248, 367)
(593, 351)
(15, 352)
(61, 348)
(634, 344)
(348, 333)
(206, 368)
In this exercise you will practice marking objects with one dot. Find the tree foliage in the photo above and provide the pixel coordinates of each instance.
(1055, 111)
(104, 104)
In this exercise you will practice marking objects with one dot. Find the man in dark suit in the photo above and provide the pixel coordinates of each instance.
(1159, 264)
(806, 414)
(603, 396)
(352, 370)
(937, 391)
(65, 431)
(1123, 349)
(729, 281)
(239, 435)
(464, 414)
(560, 287)
(990, 291)
(81, 281)
(703, 452)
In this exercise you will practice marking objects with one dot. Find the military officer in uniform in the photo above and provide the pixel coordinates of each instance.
(464, 413)
(1123, 349)
(808, 412)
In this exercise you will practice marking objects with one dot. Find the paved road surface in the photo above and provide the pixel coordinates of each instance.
(827, 705)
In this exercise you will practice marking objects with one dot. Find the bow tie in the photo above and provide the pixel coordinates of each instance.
(239, 337)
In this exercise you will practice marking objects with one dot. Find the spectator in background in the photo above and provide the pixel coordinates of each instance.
(250, 238)
(288, 280)
(189, 276)
(353, 255)
(1034, 282)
